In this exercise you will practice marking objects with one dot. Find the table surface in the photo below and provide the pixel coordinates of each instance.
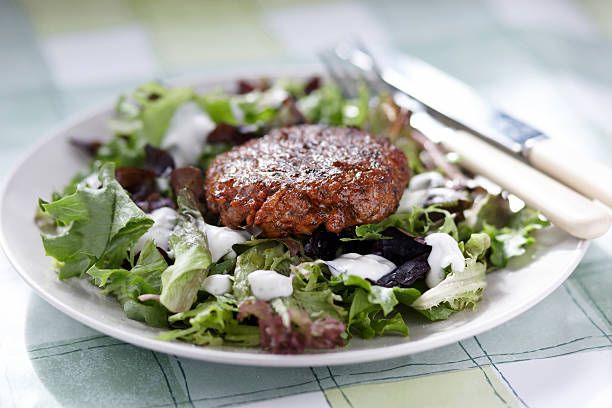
(549, 62)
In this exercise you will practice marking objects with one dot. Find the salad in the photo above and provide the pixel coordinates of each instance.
(139, 224)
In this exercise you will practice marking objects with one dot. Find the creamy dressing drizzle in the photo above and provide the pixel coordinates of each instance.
(164, 220)
(426, 180)
(273, 97)
(411, 199)
(186, 133)
(91, 181)
(444, 252)
(417, 191)
(236, 111)
(221, 239)
(217, 284)
(267, 285)
(163, 183)
(372, 267)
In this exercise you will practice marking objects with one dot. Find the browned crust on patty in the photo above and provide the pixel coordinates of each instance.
(296, 178)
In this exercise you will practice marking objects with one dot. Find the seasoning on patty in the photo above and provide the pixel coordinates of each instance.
(296, 178)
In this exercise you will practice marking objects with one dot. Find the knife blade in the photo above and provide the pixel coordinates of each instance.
(459, 106)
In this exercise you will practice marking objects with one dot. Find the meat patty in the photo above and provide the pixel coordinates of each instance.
(297, 178)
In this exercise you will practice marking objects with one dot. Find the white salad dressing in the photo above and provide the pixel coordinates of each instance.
(372, 267)
(267, 285)
(423, 181)
(163, 183)
(444, 252)
(273, 97)
(186, 133)
(217, 284)
(411, 199)
(164, 220)
(237, 112)
(417, 191)
(221, 239)
(91, 181)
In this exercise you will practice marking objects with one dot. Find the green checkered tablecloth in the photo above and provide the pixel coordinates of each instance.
(549, 62)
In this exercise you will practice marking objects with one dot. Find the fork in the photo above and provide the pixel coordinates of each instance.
(350, 65)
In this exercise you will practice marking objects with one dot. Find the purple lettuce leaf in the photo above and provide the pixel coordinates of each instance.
(406, 274)
(233, 135)
(302, 333)
(158, 160)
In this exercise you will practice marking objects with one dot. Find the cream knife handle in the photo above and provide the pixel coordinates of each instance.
(587, 176)
(564, 207)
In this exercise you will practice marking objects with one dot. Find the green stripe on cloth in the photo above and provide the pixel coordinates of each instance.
(194, 32)
(52, 17)
(475, 387)
(600, 12)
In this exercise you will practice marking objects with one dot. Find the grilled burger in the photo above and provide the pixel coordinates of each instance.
(295, 179)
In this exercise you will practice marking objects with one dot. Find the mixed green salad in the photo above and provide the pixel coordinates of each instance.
(135, 224)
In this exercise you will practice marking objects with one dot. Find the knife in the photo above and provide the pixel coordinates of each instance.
(457, 104)
(564, 207)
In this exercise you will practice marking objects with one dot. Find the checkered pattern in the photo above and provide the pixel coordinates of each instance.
(547, 61)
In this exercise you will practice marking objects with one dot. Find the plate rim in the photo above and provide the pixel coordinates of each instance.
(233, 357)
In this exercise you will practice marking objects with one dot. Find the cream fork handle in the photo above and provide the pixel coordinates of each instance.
(587, 176)
(564, 207)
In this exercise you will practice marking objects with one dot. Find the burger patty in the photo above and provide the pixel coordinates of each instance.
(295, 179)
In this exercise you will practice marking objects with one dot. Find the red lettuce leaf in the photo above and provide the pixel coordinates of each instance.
(244, 86)
(138, 181)
(158, 160)
(233, 135)
(191, 179)
(406, 274)
(302, 332)
(312, 84)
(400, 247)
(90, 147)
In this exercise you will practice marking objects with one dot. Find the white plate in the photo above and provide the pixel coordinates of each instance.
(52, 162)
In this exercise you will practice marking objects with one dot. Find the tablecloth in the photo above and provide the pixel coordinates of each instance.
(549, 62)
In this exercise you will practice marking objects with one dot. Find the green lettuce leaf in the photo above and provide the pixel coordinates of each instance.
(355, 112)
(372, 307)
(127, 286)
(513, 240)
(141, 118)
(218, 105)
(125, 151)
(476, 247)
(328, 105)
(312, 292)
(213, 322)
(418, 222)
(458, 291)
(412, 151)
(150, 312)
(488, 209)
(386, 298)
(511, 233)
(267, 255)
(224, 266)
(95, 226)
(126, 148)
(182, 280)
(254, 108)
(254, 113)
(323, 106)
(157, 106)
